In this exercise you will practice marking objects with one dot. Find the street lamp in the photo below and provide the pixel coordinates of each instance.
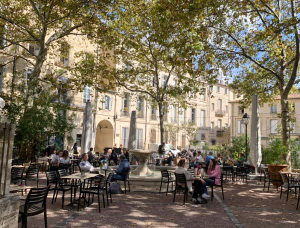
(245, 121)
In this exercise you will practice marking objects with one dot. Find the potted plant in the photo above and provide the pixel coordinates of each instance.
(275, 156)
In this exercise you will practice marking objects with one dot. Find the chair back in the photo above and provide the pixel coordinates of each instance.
(36, 196)
(52, 177)
(17, 173)
(63, 172)
(180, 179)
(32, 170)
(284, 177)
(165, 173)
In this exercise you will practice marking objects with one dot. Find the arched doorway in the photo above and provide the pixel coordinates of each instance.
(104, 136)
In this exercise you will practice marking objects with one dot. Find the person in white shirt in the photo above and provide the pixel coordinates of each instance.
(84, 164)
(199, 157)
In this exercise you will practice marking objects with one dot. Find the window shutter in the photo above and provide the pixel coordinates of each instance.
(103, 102)
(109, 103)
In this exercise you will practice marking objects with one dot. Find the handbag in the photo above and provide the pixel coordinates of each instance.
(115, 188)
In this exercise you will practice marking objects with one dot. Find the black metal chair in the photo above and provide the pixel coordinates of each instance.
(91, 187)
(17, 174)
(298, 196)
(181, 186)
(35, 204)
(126, 180)
(228, 172)
(67, 182)
(32, 174)
(166, 178)
(221, 186)
(53, 179)
(288, 184)
(105, 186)
(242, 173)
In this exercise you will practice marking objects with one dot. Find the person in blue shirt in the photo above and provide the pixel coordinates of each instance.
(123, 169)
(208, 158)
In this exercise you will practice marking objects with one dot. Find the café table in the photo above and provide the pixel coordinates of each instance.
(81, 178)
(13, 188)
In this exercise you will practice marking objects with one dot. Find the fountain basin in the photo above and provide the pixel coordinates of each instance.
(142, 156)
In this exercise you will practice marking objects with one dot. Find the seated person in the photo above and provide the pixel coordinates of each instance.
(214, 174)
(123, 169)
(84, 164)
(91, 156)
(55, 160)
(199, 183)
(168, 159)
(113, 157)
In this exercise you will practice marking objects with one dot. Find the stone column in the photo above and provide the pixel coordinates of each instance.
(87, 128)
(255, 141)
(9, 204)
(132, 131)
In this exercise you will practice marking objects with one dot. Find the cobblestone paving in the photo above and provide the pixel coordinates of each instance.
(245, 205)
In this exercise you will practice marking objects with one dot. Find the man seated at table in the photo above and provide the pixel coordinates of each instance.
(91, 156)
(123, 169)
(84, 164)
(199, 184)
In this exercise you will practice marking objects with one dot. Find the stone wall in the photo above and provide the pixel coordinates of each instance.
(9, 211)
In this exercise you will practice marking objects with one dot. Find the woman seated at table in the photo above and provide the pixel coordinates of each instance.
(64, 160)
(214, 173)
(55, 160)
(198, 183)
(84, 164)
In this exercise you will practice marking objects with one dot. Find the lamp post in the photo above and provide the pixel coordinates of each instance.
(245, 121)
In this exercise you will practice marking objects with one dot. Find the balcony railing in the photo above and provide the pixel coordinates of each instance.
(219, 113)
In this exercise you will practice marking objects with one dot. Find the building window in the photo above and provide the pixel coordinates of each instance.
(193, 117)
(87, 94)
(219, 105)
(2, 72)
(183, 116)
(65, 54)
(139, 138)
(274, 108)
(173, 113)
(202, 97)
(140, 107)
(202, 118)
(154, 81)
(213, 107)
(240, 127)
(28, 76)
(218, 89)
(293, 127)
(164, 81)
(125, 108)
(211, 88)
(219, 123)
(125, 135)
(273, 126)
(78, 139)
(226, 90)
(213, 142)
(34, 49)
(153, 136)
(153, 112)
(107, 103)
(212, 125)
(241, 110)
(2, 37)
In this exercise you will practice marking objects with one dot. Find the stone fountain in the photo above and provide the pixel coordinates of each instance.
(142, 156)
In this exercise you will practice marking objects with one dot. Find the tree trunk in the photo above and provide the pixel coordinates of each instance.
(284, 125)
(161, 123)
